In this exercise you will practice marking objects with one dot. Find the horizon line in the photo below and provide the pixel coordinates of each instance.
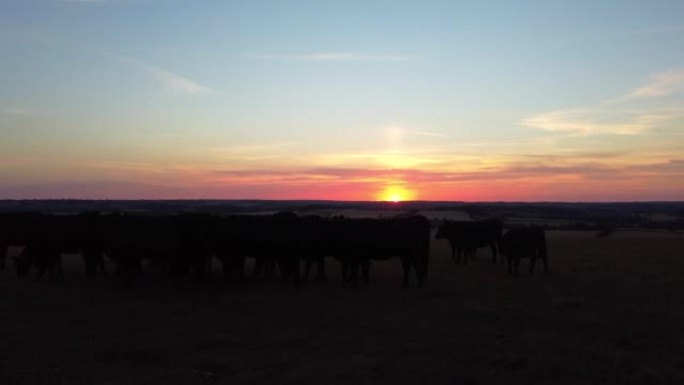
(322, 200)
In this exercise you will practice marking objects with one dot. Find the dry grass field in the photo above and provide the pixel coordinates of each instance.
(611, 311)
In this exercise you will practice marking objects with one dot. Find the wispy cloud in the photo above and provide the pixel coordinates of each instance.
(332, 56)
(432, 134)
(14, 111)
(640, 110)
(586, 121)
(169, 80)
(558, 178)
(660, 84)
(511, 172)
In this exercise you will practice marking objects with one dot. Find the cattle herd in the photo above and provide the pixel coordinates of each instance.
(186, 244)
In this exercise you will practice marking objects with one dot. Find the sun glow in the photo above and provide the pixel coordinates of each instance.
(394, 194)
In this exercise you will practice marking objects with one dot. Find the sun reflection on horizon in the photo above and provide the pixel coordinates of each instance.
(395, 194)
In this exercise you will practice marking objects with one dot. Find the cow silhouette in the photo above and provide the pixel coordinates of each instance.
(465, 237)
(529, 242)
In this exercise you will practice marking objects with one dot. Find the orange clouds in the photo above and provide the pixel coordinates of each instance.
(522, 181)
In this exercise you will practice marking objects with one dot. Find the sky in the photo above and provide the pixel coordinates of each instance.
(518, 100)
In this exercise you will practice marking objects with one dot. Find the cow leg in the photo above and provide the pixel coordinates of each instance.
(232, 266)
(406, 265)
(40, 267)
(493, 247)
(270, 266)
(200, 267)
(453, 254)
(54, 267)
(258, 266)
(418, 269)
(310, 265)
(295, 271)
(533, 260)
(3, 253)
(546, 266)
(307, 269)
(365, 271)
(354, 275)
(93, 261)
(517, 265)
(226, 269)
(101, 262)
(205, 267)
(421, 275)
(117, 263)
(240, 263)
(320, 268)
(128, 271)
(423, 263)
(346, 272)
(293, 267)
(285, 270)
(89, 263)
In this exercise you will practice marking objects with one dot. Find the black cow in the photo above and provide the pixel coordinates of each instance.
(229, 242)
(521, 243)
(278, 239)
(131, 239)
(3, 252)
(355, 242)
(90, 242)
(466, 237)
(311, 245)
(14, 231)
(46, 236)
(43, 237)
(42, 254)
(195, 246)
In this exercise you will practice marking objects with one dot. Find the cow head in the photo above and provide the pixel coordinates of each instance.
(442, 230)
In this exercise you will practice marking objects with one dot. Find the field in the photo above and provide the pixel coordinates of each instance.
(611, 311)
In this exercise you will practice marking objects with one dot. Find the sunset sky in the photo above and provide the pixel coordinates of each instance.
(542, 100)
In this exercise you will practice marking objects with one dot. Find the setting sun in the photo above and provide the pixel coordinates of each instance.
(394, 194)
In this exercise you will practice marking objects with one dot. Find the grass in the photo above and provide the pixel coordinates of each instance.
(611, 311)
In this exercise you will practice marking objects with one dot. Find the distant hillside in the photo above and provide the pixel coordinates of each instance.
(552, 215)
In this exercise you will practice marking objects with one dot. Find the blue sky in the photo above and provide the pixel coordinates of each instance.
(343, 100)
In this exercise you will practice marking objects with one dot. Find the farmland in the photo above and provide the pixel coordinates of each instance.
(610, 311)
